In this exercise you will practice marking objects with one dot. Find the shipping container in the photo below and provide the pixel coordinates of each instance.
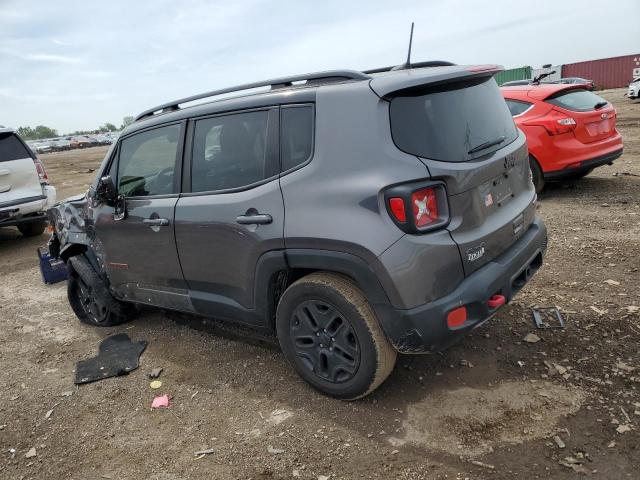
(521, 73)
(551, 78)
(614, 72)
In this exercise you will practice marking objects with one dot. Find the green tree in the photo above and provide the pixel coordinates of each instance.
(109, 127)
(126, 121)
(41, 131)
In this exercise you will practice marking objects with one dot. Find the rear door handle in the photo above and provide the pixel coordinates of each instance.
(156, 222)
(256, 219)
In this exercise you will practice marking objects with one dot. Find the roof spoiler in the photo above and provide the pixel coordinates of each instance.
(432, 63)
(388, 85)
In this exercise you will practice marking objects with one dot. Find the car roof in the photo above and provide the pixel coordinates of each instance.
(6, 129)
(287, 91)
(537, 91)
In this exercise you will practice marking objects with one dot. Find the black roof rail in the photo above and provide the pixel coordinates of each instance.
(432, 63)
(318, 77)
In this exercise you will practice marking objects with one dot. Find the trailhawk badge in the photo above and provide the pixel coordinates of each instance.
(474, 253)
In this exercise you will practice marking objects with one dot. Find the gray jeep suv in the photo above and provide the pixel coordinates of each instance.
(356, 214)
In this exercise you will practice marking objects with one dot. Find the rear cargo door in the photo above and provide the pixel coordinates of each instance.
(595, 117)
(465, 135)
(18, 175)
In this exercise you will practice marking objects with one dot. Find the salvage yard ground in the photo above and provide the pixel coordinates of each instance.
(563, 404)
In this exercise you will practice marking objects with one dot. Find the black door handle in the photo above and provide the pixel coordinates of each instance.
(156, 222)
(256, 219)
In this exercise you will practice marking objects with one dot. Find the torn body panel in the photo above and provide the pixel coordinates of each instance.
(69, 221)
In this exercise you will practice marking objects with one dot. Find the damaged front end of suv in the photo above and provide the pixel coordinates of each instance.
(69, 221)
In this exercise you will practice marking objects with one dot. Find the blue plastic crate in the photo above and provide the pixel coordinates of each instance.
(53, 270)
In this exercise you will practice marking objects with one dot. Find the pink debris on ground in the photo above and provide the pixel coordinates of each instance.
(161, 401)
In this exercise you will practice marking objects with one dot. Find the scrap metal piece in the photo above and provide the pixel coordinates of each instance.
(548, 318)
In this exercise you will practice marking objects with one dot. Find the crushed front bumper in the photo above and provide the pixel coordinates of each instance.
(424, 329)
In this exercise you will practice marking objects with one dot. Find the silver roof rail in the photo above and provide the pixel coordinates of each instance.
(331, 75)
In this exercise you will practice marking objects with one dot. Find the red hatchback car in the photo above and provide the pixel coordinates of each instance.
(570, 130)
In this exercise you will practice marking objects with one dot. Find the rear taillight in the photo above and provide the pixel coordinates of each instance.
(418, 207)
(42, 173)
(553, 122)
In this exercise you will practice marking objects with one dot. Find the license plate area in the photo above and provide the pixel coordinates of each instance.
(495, 193)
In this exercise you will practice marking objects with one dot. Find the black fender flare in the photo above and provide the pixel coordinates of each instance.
(352, 266)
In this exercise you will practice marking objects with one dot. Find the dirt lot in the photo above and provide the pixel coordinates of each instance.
(487, 408)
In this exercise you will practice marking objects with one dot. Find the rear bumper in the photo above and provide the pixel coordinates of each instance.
(27, 210)
(424, 329)
(584, 166)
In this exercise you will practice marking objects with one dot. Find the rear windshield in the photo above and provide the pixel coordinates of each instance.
(453, 123)
(11, 148)
(579, 100)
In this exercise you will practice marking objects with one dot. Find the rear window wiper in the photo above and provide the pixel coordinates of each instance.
(599, 105)
(488, 144)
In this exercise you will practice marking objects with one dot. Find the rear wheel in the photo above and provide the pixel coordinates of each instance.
(330, 335)
(536, 174)
(32, 229)
(90, 299)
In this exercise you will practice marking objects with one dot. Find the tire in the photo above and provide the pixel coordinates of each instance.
(32, 229)
(90, 299)
(536, 174)
(329, 334)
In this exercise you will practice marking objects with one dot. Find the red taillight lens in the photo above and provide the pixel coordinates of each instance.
(457, 317)
(424, 204)
(42, 173)
(396, 205)
(554, 123)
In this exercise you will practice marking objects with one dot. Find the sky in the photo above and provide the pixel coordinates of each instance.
(74, 65)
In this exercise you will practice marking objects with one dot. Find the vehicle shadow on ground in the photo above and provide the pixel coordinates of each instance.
(12, 245)
(596, 187)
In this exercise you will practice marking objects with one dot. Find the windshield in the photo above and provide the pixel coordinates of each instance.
(452, 123)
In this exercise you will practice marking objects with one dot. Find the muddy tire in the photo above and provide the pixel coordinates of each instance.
(329, 334)
(536, 174)
(32, 229)
(90, 299)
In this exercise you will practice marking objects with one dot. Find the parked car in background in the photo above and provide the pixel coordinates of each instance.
(40, 146)
(410, 216)
(634, 89)
(60, 144)
(570, 130)
(588, 84)
(25, 194)
(515, 82)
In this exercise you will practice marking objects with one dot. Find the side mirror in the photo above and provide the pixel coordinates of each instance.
(106, 191)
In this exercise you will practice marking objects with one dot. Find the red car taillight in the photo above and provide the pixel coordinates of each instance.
(553, 122)
(42, 173)
(418, 207)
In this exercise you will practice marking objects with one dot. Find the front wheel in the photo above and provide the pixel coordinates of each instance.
(32, 229)
(330, 335)
(90, 299)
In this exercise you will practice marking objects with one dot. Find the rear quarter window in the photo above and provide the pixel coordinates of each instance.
(517, 107)
(11, 148)
(296, 135)
(578, 100)
(452, 122)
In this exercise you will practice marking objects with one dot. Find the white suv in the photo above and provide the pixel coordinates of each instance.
(25, 194)
(634, 89)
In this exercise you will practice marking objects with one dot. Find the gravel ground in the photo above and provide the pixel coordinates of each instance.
(564, 404)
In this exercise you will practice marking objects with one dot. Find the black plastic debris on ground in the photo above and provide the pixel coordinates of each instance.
(548, 318)
(118, 356)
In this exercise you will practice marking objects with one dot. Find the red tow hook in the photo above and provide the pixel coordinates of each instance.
(496, 301)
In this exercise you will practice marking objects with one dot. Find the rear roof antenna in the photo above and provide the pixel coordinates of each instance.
(406, 65)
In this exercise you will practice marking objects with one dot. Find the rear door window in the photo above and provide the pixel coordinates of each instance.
(454, 122)
(296, 135)
(517, 107)
(578, 100)
(11, 148)
(148, 161)
(230, 151)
